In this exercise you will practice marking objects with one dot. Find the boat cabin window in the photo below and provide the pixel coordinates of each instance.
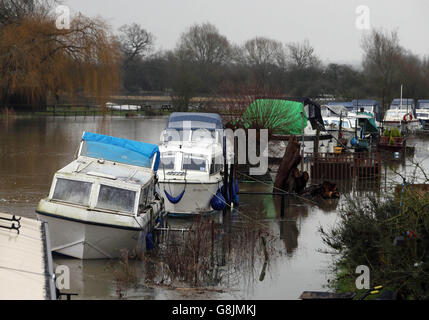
(143, 196)
(194, 162)
(116, 199)
(423, 105)
(336, 124)
(167, 161)
(146, 195)
(72, 191)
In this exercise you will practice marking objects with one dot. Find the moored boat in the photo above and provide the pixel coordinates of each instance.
(191, 174)
(105, 200)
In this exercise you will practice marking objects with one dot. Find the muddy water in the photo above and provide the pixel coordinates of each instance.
(32, 149)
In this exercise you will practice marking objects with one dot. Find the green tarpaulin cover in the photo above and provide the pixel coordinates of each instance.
(281, 116)
(369, 124)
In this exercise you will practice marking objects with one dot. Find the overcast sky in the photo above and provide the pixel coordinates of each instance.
(329, 25)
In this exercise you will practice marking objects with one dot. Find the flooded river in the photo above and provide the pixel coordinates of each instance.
(33, 149)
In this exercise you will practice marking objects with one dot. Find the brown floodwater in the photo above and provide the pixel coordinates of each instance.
(33, 149)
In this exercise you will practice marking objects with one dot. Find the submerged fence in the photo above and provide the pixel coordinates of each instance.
(343, 166)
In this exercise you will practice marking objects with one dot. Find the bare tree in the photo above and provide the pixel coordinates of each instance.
(262, 51)
(264, 57)
(301, 55)
(14, 10)
(205, 45)
(135, 41)
(382, 54)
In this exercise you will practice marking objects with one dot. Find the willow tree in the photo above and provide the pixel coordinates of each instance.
(38, 60)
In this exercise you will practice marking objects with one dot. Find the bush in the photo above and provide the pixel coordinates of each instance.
(395, 133)
(390, 239)
(386, 133)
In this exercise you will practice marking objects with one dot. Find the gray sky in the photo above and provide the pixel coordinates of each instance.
(329, 25)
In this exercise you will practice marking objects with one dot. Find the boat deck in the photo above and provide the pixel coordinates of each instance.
(26, 268)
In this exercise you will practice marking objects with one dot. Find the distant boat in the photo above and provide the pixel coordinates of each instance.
(192, 166)
(369, 106)
(105, 200)
(401, 118)
(125, 107)
(422, 113)
(403, 104)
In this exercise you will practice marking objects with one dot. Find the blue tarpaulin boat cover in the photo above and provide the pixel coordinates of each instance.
(120, 150)
(195, 120)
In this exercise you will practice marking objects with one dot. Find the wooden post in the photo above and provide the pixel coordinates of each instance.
(316, 142)
(303, 143)
(212, 246)
(231, 183)
(225, 174)
(282, 206)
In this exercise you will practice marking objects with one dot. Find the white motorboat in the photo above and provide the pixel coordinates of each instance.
(401, 118)
(422, 112)
(192, 163)
(333, 124)
(105, 200)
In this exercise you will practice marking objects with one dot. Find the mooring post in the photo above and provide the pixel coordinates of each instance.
(316, 141)
(303, 143)
(231, 183)
(282, 206)
(213, 238)
(225, 174)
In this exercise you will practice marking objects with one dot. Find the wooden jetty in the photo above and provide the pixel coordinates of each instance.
(26, 267)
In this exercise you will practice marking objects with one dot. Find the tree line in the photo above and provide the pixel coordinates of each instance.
(37, 60)
(206, 62)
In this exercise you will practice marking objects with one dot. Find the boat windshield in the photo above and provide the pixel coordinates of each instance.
(167, 160)
(423, 105)
(188, 135)
(72, 191)
(194, 162)
(116, 199)
(422, 115)
(366, 108)
(336, 123)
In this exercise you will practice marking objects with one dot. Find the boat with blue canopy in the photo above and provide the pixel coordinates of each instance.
(105, 200)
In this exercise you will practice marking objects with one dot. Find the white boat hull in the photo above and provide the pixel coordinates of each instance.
(86, 235)
(195, 200)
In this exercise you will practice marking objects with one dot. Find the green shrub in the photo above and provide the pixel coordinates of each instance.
(395, 133)
(374, 233)
(386, 133)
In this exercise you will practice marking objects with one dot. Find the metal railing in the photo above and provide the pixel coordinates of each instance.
(342, 166)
